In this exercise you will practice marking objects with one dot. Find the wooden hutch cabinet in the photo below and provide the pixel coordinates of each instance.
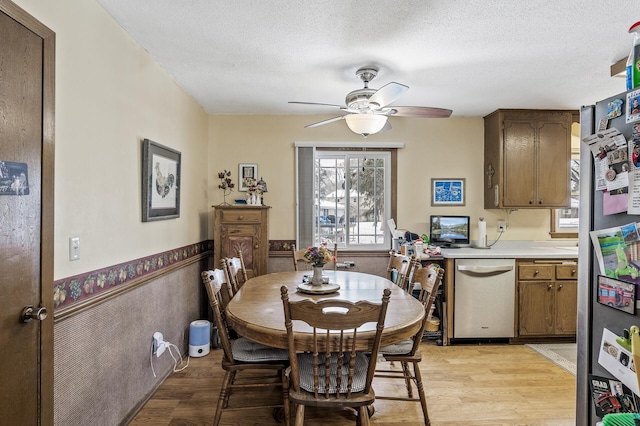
(526, 159)
(547, 295)
(245, 228)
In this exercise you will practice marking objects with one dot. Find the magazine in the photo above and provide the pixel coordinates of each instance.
(612, 396)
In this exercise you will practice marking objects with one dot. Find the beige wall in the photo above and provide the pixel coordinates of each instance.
(434, 148)
(110, 95)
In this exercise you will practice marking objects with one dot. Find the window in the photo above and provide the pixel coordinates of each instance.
(564, 222)
(345, 197)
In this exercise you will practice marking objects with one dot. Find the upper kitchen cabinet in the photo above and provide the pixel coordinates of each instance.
(526, 158)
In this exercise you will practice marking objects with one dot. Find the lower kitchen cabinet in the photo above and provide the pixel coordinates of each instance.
(547, 298)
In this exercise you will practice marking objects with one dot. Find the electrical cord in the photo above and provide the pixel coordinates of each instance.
(175, 360)
(493, 243)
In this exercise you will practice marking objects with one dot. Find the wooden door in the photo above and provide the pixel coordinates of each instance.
(26, 217)
(536, 308)
(519, 165)
(553, 155)
(566, 307)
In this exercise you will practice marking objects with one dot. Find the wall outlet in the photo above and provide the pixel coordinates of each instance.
(159, 344)
(502, 225)
(74, 248)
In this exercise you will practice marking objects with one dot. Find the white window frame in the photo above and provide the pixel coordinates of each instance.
(305, 158)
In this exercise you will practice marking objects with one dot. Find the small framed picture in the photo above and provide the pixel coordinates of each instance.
(448, 192)
(633, 106)
(160, 182)
(247, 175)
(617, 294)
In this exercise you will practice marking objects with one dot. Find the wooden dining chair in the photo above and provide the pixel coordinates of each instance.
(299, 261)
(334, 374)
(243, 355)
(217, 278)
(398, 268)
(408, 351)
(236, 272)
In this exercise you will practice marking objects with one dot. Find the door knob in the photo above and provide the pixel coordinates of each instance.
(29, 313)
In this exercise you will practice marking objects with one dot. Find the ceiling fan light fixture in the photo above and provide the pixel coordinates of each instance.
(366, 124)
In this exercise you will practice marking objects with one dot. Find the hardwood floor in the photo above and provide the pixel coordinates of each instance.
(465, 385)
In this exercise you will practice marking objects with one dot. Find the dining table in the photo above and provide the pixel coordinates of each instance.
(257, 313)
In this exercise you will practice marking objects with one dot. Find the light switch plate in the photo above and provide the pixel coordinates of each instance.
(74, 248)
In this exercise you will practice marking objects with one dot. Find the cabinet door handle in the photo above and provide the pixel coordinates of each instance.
(550, 286)
(560, 287)
(536, 272)
(256, 246)
(240, 217)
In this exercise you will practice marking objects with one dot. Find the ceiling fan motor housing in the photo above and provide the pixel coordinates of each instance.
(359, 99)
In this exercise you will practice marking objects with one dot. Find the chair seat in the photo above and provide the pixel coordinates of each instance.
(400, 348)
(246, 350)
(305, 362)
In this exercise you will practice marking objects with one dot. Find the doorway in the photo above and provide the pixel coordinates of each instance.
(27, 56)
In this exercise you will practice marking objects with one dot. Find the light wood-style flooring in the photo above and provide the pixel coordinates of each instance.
(489, 384)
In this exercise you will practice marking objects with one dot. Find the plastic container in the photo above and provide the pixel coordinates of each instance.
(633, 62)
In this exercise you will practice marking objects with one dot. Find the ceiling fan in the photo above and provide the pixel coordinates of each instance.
(367, 110)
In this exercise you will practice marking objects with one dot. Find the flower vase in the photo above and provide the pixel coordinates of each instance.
(317, 275)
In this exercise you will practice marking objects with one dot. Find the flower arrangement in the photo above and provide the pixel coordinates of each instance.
(318, 256)
(225, 184)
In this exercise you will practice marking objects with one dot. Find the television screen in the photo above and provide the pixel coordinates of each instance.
(449, 230)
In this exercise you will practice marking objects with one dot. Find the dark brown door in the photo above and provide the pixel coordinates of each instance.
(26, 218)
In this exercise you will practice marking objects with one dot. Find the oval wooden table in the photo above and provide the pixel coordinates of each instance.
(256, 311)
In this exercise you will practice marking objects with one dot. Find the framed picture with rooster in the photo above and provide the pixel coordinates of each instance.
(160, 182)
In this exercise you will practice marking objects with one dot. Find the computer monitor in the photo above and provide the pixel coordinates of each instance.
(449, 231)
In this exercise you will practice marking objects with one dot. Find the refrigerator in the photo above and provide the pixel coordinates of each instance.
(595, 317)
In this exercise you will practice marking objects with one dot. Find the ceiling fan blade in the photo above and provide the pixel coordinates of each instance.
(316, 103)
(387, 126)
(425, 112)
(320, 123)
(387, 94)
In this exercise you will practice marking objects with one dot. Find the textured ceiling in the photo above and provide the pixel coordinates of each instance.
(471, 56)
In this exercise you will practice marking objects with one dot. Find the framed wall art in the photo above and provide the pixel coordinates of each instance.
(246, 172)
(160, 182)
(448, 192)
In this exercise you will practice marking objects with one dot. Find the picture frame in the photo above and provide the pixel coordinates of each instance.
(617, 294)
(246, 172)
(160, 182)
(632, 106)
(448, 192)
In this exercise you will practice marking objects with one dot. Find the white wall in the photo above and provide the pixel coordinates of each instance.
(110, 95)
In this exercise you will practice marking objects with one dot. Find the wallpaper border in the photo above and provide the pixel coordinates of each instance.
(73, 290)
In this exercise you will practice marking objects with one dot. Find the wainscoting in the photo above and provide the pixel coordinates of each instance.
(102, 348)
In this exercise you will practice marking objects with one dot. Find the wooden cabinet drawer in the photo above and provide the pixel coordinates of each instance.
(567, 272)
(241, 216)
(536, 272)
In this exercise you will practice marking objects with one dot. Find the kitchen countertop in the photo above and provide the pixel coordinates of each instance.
(517, 250)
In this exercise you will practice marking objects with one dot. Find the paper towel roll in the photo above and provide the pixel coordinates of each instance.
(482, 233)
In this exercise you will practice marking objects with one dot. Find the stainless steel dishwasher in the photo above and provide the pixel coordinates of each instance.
(484, 298)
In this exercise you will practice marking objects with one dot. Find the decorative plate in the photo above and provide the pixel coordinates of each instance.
(318, 289)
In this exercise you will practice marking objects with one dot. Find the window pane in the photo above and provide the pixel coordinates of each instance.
(350, 203)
